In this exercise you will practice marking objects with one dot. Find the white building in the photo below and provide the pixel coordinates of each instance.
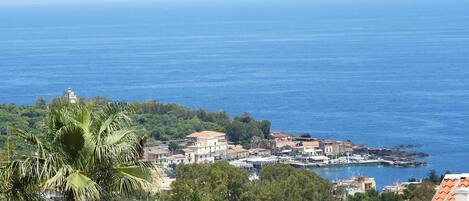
(206, 147)
(70, 96)
(175, 160)
(356, 185)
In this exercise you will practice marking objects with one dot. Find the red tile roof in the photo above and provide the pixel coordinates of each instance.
(311, 144)
(206, 134)
(447, 188)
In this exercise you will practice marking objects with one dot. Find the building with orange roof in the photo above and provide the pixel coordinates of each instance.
(206, 134)
(310, 144)
(281, 141)
(454, 187)
(206, 147)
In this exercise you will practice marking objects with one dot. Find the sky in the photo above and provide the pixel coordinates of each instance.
(42, 2)
(35, 2)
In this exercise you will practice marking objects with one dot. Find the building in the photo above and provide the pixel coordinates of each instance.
(332, 147)
(260, 162)
(310, 144)
(399, 187)
(454, 187)
(175, 160)
(259, 152)
(206, 147)
(156, 153)
(327, 147)
(70, 96)
(243, 164)
(281, 141)
(280, 136)
(308, 148)
(357, 185)
(307, 151)
(236, 152)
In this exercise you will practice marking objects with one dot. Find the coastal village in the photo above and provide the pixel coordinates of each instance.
(300, 152)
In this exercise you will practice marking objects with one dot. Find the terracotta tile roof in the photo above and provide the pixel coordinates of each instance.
(206, 134)
(311, 144)
(447, 188)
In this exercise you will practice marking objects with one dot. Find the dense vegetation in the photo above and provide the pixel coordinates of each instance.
(89, 151)
(80, 155)
(172, 122)
(159, 121)
(221, 181)
(420, 192)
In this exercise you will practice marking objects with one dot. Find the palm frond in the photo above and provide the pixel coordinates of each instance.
(82, 187)
(133, 179)
(31, 139)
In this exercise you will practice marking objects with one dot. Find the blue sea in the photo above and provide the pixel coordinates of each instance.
(379, 73)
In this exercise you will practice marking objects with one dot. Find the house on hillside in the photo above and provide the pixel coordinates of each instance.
(156, 153)
(206, 147)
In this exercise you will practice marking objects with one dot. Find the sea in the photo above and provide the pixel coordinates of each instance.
(378, 73)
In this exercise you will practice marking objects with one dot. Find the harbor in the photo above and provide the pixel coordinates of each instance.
(298, 152)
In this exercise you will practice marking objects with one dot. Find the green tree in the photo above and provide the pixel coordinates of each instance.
(391, 197)
(305, 135)
(41, 103)
(257, 142)
(174, 147)
(433, 177)
(208, 182)
(82, 155)
(283, 183)
(423, 191)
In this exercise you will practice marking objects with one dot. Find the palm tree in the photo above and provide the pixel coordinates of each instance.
(82, 155)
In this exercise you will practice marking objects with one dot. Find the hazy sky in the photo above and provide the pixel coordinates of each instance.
(32, 2)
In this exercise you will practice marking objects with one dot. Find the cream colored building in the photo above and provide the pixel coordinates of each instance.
(236, 152)
(206, 147)
(332, 147)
